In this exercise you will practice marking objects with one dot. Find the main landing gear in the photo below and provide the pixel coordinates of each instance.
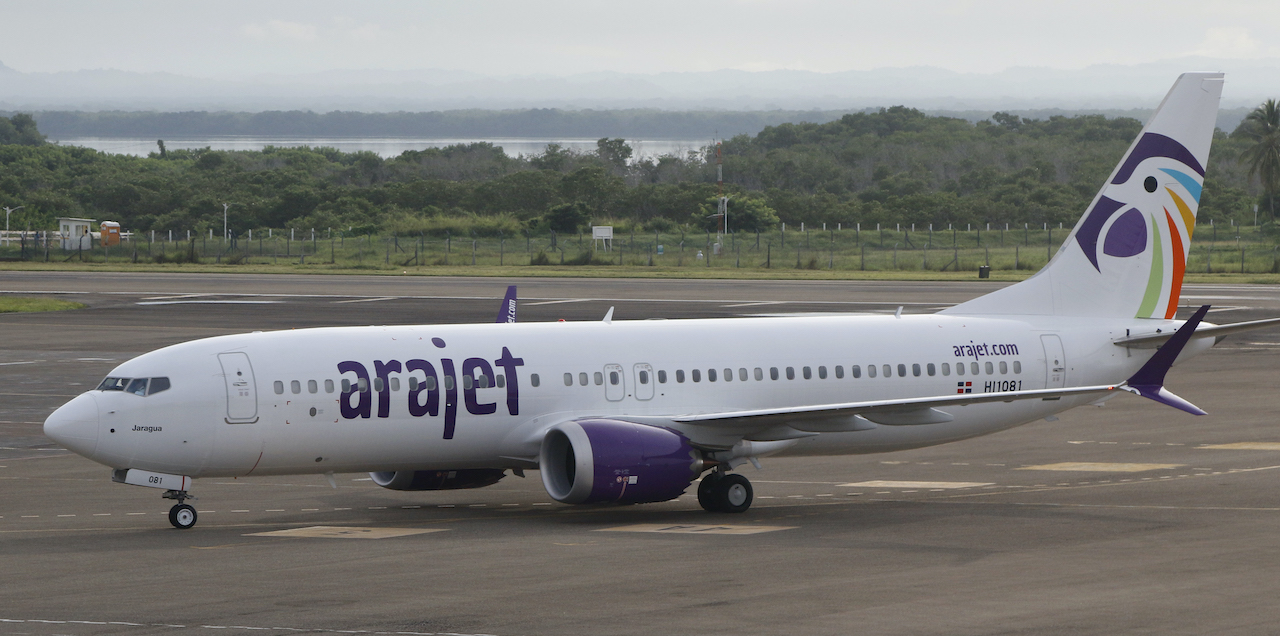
(181, 515)
(724, 492)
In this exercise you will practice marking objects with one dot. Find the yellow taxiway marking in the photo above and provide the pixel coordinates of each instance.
(1101, 467)
(1271, 446)
(913, 484)
(666, 528)
(337, 532)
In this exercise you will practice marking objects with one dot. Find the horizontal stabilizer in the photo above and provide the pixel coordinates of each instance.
(1155, 340)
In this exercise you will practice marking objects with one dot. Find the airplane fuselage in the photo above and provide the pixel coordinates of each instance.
(482, 396)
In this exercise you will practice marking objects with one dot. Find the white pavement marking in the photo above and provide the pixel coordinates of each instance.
(695, 529)
(336, 532)
(1271, 446)
(1101, 467)
(913, 484)
(210, 302)
(364, 300)
(304, 630)
(557, 302)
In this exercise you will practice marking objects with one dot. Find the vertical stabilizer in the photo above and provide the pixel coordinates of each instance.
(1126, 256)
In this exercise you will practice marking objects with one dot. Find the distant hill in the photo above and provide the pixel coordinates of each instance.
(650, 124)
(1093, 88)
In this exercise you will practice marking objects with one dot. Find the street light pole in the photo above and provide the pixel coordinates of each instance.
(225, 206)
(7, 212)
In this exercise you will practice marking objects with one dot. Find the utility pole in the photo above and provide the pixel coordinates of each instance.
(8, 211)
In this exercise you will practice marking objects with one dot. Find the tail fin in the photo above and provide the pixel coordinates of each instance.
(1126, 255)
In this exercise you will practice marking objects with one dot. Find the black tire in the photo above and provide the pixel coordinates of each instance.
(705, 489)
(182, 516)
(732, 493)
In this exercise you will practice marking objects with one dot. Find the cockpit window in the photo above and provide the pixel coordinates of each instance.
(158, 385)
(113, 384)
(136, 386)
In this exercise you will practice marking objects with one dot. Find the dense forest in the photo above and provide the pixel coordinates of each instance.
(896, 165)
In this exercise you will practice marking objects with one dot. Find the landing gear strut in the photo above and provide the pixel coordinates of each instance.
(182, 515)
(724, 492)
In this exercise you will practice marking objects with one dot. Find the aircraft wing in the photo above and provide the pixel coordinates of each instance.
(905, 411)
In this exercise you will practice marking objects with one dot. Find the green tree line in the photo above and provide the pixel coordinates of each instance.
(895, 165)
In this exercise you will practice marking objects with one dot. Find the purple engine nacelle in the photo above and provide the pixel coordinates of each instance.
(438, 479)
(602, 460)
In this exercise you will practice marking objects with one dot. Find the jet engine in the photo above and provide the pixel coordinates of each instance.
(603, 460)
(438, 479)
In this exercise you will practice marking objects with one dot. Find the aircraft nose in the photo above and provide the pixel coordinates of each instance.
(75, 425)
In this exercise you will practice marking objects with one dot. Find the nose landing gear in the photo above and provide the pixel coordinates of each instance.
(181, 515)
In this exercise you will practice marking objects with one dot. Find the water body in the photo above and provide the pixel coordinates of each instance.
(385, 147)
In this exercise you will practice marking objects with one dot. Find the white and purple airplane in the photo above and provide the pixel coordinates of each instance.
(636, 411)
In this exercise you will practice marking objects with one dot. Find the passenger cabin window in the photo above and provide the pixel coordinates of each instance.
(395, 384)
(946, 368)
(582, 379)
(759, 374)
(680, 375)
(295, 387)
(808, 373)
(990, 368)
(346, 386)
(728, 375)
(696, 374)
(773, 373)
(915, 370)
(644, 377)
(362, 385)
(448, 383)
(888, 370)
(1017, 366)
(568, 379)
(855, 371)
(279, 386)
(467, 382)
(839, 372)
(973, 368)
(959, 368)
(871, 370)
(822, 373)
(534, 379)
(377, 385)
(328, 386)
(1004, 367)
(932, 369)
(791, 373)
(662, 377)
(599, 378)
(613, 378)
(313, 386)
(711, 375)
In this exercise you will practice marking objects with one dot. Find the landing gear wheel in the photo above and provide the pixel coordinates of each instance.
(731, 493)
(182, 516)
(705, 488)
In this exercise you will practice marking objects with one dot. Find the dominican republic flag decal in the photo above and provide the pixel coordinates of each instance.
(964, 387)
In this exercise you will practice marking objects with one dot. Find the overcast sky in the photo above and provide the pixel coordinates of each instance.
(561, 37)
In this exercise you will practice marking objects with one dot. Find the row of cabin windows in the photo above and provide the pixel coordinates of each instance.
(362, 385)
(887, 370)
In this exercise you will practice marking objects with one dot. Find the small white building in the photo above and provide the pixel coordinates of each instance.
(77, 234)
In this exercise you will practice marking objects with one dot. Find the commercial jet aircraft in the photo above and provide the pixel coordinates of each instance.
(636, 411)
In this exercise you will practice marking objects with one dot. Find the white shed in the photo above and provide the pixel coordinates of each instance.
(76, 233)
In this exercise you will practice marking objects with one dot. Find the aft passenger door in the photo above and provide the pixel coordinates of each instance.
(615, 385)
(644, 381)
(1055, 362)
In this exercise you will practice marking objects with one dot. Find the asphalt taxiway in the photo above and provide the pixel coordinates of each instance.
(1132, 518)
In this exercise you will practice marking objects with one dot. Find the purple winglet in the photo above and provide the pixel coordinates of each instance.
(1149, 380)
(508, 311)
